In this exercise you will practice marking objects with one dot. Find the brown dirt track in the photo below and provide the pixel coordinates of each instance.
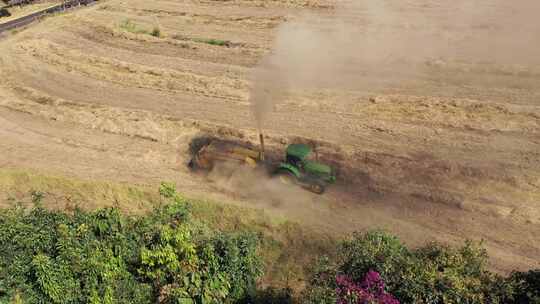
(439, 160)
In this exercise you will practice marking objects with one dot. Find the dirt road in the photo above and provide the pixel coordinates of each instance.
(453, 155)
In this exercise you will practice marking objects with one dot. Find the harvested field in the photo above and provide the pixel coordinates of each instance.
(447, 155)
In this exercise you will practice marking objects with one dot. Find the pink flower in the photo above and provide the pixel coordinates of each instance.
(369, 290)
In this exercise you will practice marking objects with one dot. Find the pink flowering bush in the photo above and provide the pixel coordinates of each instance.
(375, 267)
(369, 291)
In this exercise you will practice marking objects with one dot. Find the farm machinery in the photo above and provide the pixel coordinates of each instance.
(298, 167)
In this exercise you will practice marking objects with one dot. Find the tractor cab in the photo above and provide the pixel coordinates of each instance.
(296, 154)
(301, 167)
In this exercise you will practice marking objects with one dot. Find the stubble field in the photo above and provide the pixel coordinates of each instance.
(451, 153)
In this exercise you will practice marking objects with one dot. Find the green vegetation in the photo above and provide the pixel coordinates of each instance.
(217, 42)
(526, 286)
(130, 26)
(156, 31)
(210, 41)
(284, 247)
(67, 193)
(105, 257)
(111, 244)
(430, 274)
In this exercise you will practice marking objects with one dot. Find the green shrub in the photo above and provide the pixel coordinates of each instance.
(217, 42)
(168, 256)
(431, 274)
(156, 31)
(526, 287)
(106, 257)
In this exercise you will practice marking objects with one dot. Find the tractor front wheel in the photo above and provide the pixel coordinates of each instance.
(317, 188)
(286, 177)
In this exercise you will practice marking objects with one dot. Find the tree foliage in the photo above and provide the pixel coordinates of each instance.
(167, 256)
(106, 257)
(526, 287)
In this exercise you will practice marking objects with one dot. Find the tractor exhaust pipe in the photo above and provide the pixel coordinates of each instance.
(261, 153)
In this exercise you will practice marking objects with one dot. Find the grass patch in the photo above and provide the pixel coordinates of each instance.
(211, 41)
(64, 193)
(130, 26)
(217, 42)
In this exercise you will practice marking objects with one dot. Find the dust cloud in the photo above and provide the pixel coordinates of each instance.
(377, 44)
(246, 183)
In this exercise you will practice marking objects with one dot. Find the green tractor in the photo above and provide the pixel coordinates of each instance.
(298, 168)
(301, 169)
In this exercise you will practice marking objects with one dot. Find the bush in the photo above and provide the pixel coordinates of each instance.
(156, 32)
(526, 287)
(430, 274)
(167, 256)
(106, 257)
(370, 290)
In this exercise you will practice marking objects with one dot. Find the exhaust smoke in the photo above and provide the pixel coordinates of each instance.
(261, 153)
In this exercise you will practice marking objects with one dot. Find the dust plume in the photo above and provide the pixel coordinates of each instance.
(246, 183)
(375, 45)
